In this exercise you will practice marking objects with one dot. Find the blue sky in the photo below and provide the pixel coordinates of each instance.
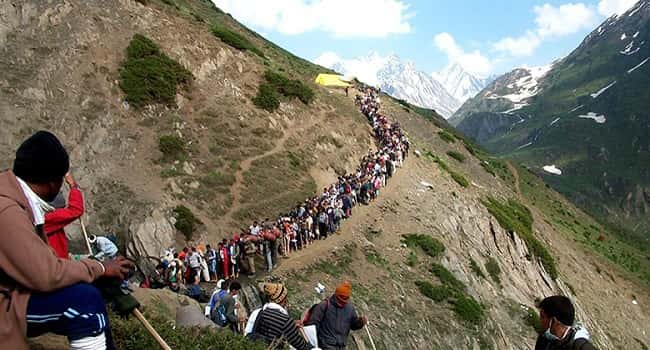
(485, 37)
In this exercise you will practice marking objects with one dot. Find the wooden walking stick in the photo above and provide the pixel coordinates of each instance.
(136, 312)
(370, 336)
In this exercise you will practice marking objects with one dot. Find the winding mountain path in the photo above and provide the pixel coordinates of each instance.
(236, 188)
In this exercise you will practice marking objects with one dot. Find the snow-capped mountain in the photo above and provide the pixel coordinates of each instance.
(507, 94)
(399, 79)
(460, 83)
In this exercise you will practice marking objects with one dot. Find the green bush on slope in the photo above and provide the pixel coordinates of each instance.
(148, 75)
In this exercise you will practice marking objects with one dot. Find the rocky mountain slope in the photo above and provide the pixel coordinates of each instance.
(491, 238)
(587, 116)
(402, 80)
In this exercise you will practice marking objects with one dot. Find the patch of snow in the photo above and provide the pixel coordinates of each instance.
(555, 121)
(635, 35)
(552, 169)
(630, 50)
(636, 10)
(600, 30)
(623, 36)
(524, 146)
(600, 119)
(516, 107)
(599, 92)
(637, 66)
(575, 109)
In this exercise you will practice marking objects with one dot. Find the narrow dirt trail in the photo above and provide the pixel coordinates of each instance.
(360, 218)
(515, 173)
(236, 188)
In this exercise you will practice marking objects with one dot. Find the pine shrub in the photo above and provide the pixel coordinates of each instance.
(186, 222)
(148, 75)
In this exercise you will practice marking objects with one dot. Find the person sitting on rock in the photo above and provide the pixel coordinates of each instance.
(557, 316)
(40, 292)
(104, 247)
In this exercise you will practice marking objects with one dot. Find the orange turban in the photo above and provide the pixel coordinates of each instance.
(343, 291)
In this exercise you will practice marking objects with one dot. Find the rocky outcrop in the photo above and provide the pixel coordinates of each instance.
(150, 238)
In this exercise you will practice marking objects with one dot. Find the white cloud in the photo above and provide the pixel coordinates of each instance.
(521, 46)
(551, 22)
(341, 18)
(473, 62)
(363, 68)
(328, 59)
(614, 7)
(563, 20)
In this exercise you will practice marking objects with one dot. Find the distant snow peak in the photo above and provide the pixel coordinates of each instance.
(460, 83)
(600, 119)
(528, 85)
(552, 169)
(599, 92)
(398, 78)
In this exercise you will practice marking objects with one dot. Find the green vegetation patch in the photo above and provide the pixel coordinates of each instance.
(412, 259)
(456, 155)
(469, 310)
(428, 244)
(475, 268)
(446, 277)
(277, 85)
(435, 293)
(493, 269)
(267, 98)
(129, 334)
(289, 87)
(149, 76)
(447, 136)
(186, 222)
(459, 178)
(236, 40)
(172, 148)
(515, 217)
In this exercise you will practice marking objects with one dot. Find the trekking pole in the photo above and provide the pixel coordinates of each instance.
(136, 312)
(83, 229)
(370, 336)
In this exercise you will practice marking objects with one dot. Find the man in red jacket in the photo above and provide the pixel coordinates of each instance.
(59, 218)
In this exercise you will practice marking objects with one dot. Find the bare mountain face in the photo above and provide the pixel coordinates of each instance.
(585, 116)
(492, 239)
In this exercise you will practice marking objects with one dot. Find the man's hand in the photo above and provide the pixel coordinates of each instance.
(117, 268)
(364, 320)
(299, 323)
(70, 180)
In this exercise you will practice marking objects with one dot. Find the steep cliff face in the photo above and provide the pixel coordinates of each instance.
(61, 64)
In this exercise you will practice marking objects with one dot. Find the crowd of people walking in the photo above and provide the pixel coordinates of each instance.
(314, 219)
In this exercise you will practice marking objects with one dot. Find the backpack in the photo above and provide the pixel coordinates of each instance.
(310, 311)
(218, 313)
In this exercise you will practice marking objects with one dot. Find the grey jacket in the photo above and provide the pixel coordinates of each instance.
(334, 323)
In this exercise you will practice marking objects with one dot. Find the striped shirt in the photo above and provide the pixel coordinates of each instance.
(275, 323)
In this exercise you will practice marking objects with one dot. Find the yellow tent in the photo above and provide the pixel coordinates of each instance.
(331, 80)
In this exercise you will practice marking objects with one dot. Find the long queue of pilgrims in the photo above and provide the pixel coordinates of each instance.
(314, 219)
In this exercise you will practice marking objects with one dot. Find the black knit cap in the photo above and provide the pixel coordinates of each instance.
(41, 159)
